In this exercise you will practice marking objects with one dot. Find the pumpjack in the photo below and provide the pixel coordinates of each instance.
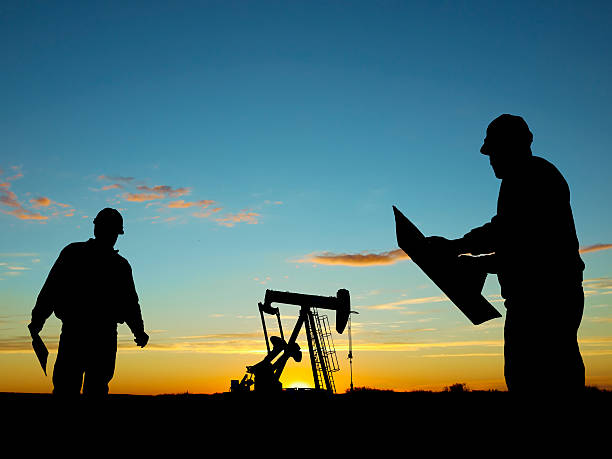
(265, 375)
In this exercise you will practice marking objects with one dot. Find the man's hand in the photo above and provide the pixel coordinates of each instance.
(471, 262)
(441, 244)
(482, 263)
(142, 339)
(35, 329)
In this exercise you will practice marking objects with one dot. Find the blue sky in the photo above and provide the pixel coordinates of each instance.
(303, 122)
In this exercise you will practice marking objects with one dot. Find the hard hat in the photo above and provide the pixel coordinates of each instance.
(508, 131)
(110, 218)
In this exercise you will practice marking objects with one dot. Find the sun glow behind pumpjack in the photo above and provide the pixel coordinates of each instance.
(299, 385)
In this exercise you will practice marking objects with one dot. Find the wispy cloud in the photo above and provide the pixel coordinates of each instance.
(471, 354)
(389, 257)
(14, 207)
(403, 345)
(180, 204)
(165, 190)
(119, 182)
(222, 343)
(142, 197)
(41, 202)
(148, 193)
(44, 201)
(114, 186)
(356, 259)
(227, 343)
(223, 336)
(599, 282)
(158, 196)
(115, 178)
(400, 304)
(251, 342)
(206, 213)
(17, 175)
(597, 286)
(604, 320)
(9, 199)
(595, 248)
(243, 216)
(23, 344)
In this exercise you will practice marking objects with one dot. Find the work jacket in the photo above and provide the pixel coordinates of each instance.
(533, 234)
(90, 288)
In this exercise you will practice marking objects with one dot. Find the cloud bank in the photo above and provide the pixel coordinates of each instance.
(356, 259)
(10, 204)
(390, 257)
(200, 208)
(595, 248)
(9, 199)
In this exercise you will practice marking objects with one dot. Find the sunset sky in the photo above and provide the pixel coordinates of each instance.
(254, 145)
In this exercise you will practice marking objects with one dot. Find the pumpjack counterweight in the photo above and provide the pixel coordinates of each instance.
(265, 375)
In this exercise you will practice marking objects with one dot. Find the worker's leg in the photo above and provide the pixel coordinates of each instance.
(541, 349)
(567, 364)
(100, 366)
(68, 369)
(518, 349)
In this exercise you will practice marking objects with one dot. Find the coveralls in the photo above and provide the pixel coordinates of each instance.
(539, 268)
(90, 288)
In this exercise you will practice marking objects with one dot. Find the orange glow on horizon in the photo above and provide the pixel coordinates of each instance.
(153, 373)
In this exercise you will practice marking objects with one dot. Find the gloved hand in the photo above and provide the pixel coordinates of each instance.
(142, 339)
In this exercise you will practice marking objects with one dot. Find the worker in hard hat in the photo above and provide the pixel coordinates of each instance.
(531, 245)
(90, 289)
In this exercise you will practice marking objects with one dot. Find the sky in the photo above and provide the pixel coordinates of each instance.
(261, 145)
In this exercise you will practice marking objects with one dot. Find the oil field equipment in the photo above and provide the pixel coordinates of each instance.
(265, 375)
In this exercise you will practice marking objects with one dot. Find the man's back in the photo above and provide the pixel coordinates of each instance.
(536, 243)
(89, 287)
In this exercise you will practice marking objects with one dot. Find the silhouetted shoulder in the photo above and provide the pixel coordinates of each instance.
(73, 248)
(122, 262)
(548, 176)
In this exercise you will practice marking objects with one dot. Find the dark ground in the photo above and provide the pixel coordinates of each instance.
(285, 418)
(370, 424)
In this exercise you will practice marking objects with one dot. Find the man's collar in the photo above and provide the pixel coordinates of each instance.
(100, 247)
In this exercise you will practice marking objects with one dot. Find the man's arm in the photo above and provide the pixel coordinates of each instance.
(481, 240)
(45, 303)
(133, 315)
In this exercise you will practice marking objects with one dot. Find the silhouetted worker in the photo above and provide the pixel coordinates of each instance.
(533, 249)
(90, 289)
